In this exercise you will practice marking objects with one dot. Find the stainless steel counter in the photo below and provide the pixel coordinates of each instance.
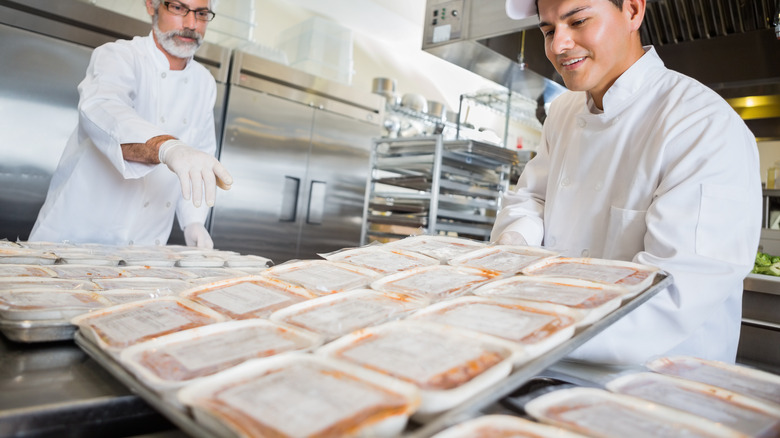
(56, 390)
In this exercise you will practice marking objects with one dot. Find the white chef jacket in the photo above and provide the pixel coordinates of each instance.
(668, 176)
(129, 95)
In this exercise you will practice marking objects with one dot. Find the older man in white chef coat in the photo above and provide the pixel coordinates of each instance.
(641, 163)
(145, 142)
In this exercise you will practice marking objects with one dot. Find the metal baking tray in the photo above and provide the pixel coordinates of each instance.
(29, 331)
(448, 418)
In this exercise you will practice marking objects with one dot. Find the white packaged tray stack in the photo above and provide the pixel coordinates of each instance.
(247, 297)
(503, 259)
(592, 300)
(17, 283)
(442, 248)
(322, 277)
(741, 379)
(167, 363)
(165, 272)
(448, 364)
(382, 259)
(530, 328)
(508, 426)
(752, 417)
(300, 395)
(33, 304)
(118, 327)
(93, 256)
(434, 283)
(597, 412)
(633, 276)
(156, 256)
(339, 314)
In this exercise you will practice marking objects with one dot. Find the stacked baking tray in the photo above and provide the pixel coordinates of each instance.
(425, 185)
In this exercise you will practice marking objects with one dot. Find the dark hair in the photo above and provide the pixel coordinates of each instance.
(618, 3)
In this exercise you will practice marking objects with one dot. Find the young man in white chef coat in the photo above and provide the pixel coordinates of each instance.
(640, 163)
(145, 142)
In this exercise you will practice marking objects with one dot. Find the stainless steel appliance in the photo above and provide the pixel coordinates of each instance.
(45, 51)
(297, 147)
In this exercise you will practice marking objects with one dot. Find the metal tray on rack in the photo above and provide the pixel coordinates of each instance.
(421, 182)
(451, 202)
(29, 331)
(448, 418)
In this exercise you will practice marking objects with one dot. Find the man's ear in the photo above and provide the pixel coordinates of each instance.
(635, 12)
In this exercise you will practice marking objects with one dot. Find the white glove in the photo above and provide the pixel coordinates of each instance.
(195, 234)
(196, 170)
(511, 238)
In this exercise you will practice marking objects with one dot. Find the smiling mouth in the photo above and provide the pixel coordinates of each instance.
(570, 62)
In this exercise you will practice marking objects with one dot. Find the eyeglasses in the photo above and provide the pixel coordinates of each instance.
(179, 9)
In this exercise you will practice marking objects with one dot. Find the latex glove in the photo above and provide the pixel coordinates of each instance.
(196, 170)
(511, 238)
(195, 234)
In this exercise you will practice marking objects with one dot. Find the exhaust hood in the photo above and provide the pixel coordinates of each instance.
(729, 45)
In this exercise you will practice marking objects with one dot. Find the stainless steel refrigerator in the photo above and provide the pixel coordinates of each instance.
(298, 149)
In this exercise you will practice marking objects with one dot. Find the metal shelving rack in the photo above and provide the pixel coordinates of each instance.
(428, 185)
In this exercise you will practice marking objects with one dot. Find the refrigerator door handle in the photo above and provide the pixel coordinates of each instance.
(316, 203)
(289, 199)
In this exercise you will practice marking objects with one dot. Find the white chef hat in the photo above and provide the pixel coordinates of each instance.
(517, 9)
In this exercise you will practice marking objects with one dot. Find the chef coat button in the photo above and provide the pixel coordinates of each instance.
(168, 204)
(585, 253)
(157, 241)
(163, 75)
(146, 204)
(130, 242)
(616, 120)
(162, 119)
(185, 80)
(581, 123)
(185, 121)
(564, 182)
(550, 241)
(599, 186)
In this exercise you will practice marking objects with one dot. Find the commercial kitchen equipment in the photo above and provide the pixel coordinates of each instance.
(45, 51)
(428, 185)
(297, 146)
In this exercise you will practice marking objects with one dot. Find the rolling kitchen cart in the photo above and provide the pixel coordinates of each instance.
(428, 185)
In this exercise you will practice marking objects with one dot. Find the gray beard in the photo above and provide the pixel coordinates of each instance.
(175, 47)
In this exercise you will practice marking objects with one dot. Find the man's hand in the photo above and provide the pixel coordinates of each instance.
(196, 170)
(511, 238)
(195, 234)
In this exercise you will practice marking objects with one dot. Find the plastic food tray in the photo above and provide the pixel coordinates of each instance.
(600, 413)
(490, 426)
(381, 259)
(439, 247)
(37, 331)
(322, 277)
(511, 321)
(504, 259)
(744, 414)
(434, 283)
(632, 276)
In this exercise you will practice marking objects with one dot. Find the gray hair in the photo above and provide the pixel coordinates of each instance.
(212, 4)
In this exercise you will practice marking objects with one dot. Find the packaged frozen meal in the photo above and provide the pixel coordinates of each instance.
(531, 328)
(632, 276)
(48, 304)
(171, 361)
(322, 277)
(300, 396)
(26, 271)
(596, 412)
(737, 378)
(118, 327)
(504, 426)
(336, 315)
(248, 296)
(88, 271)
(434, 283)
(503, 259)
(448, 364)
(752, 417)
(592, 300)
(442, 248)
(382, 259)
